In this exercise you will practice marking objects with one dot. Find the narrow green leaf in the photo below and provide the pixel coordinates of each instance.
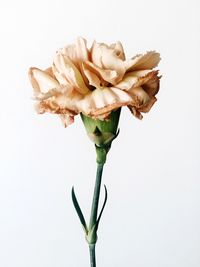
(79, 212)
(102, 209)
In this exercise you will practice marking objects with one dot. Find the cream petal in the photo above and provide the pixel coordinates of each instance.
(41, 81)
(143, 62)
(66, 67)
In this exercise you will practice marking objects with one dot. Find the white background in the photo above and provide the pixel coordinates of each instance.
(152, 218)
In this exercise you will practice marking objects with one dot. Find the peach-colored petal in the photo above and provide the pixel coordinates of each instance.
(41, 81)
(107, 75)
(50, 72)
(60, 90)
(81, 49)
(103, 116)
(119, 50)
(82, 55)
(143, 62)
(152, 85)
(108, 58)
(59, 76)
(69, 100)
(66, 67)
(77, 52)
(51, 106)
(142, 102)
(64, 102)
(140, 97)
(146, 108)
(135, 112)
(96, 54)
(136, 79)
(102, 101)
(66, 119)
(93, 79)
(95, 82)
(111, 61)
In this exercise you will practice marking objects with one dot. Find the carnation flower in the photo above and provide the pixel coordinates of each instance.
(96, 81)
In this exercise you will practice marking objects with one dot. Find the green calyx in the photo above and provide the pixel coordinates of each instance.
(102, 133)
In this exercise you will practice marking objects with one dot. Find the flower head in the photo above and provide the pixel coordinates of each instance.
(95, 82)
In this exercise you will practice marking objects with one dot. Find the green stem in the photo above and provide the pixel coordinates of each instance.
(92, 255)
(95, 202)
(94, 212)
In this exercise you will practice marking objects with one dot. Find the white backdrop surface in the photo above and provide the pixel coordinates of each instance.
(152, 217)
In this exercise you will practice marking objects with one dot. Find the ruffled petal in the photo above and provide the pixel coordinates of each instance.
(41, 81)
(93, 79)
(59, 76)
(105, 75)
(96, 54)
(139, 96)
(60, 104)
(119, 50)
(103, 101)
(95, 82)
(146, 108)
(51, 106)
(68, 100)
(77, 52)
(137, 79)
(109, 58)
(66, 119)
(135, 112)
(142, 102)
(111, 61)
(67, 69)
(143, 62)
(152, 85)
(81, 49)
